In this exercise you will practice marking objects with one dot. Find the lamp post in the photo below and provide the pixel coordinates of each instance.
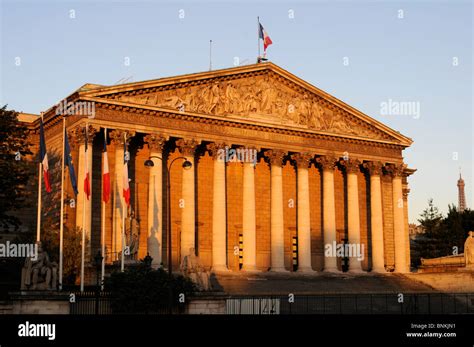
(98, 265)
(186, 165)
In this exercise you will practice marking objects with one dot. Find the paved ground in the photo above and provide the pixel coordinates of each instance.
(318, 283)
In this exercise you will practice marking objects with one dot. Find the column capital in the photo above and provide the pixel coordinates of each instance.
(405, 192)
(302, 159)
(118, 136)
(395, 170)
(187, 146)
(215, 148)
(249, 147)
(155, 142)
(374, 168)
(351, 165)
(327, 162)
(79, 134)
(275, 156)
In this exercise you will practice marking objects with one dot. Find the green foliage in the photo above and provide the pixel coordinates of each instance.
(442, 235)
(14, 173)
(141, 289)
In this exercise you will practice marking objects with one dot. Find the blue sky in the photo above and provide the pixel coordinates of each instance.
(409, 59)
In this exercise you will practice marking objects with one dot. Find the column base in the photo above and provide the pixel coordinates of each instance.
(379, 270)
(355, 267)
(332, 270)
(278, 269)
(220, 268)
(250, 268)
(305, 270)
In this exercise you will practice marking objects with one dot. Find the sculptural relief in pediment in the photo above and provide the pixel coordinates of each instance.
(259, 99)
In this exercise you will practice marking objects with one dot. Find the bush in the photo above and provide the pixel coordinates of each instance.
(141, 289)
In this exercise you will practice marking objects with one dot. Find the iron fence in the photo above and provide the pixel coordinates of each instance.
(410, 303)
(413, 303)
(89, 303)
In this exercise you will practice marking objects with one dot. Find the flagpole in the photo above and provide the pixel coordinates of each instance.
(40, 177)
(122, 266)
(210, 55)
(83, 248)
(258, 37)
(61, 223)
(38, 219)
(102, 237)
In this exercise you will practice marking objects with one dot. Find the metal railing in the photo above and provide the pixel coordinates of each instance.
(411, 303)
(89, 303)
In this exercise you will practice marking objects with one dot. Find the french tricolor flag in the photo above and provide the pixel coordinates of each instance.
(126, 186)
(44, 159)
(105, 172)
(267, 41)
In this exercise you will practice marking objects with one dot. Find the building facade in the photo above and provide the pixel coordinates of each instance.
(280, 169)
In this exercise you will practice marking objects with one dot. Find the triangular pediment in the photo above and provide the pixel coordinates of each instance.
(262, 93)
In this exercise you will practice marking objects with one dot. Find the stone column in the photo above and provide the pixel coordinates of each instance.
(80, 136)
(219, 209)
(352, 167)
(376, 217)
(276, 206)
(188, 219)
(249, 219)
(155, 199)
(400, 235)
(303, 212)
(329, 209)
(118, 137)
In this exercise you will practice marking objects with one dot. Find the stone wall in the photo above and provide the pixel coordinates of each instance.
(206, 306)
(454, 282)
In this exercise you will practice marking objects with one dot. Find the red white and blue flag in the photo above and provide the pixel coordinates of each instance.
(87, 184)
(126, 186)
(267, 41)
(44, 159)
(105, 172)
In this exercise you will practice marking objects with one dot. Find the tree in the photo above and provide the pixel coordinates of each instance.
(442, 236)
(140, 289)
(454, 229)
(14, 169)
(426, 244)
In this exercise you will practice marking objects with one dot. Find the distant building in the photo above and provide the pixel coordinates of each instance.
(414, 230)
(461, 195)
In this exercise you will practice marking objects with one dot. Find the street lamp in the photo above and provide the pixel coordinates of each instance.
(186, 165)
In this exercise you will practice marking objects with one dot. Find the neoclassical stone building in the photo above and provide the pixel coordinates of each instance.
(323, 172)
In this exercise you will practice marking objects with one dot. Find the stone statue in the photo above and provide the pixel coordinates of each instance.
(192, 268)
(39, 273)
(469, 250)
(132, 235)
(259, 96)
